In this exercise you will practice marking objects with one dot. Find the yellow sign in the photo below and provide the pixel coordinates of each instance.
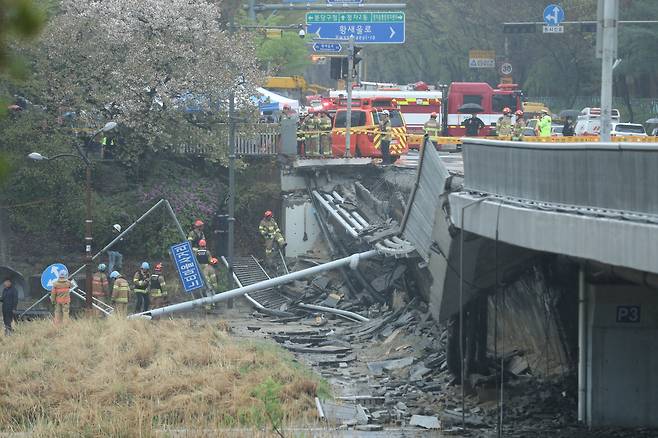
(273, 34)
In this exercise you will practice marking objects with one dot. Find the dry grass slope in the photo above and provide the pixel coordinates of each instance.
(135, 378)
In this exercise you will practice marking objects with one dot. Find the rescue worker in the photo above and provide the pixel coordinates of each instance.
(100, 286)
(108, 147)
(270, 231)
(202, 253)
(504, 124)
(324, 123)
(120, 293)
(60, 296)
(569, 129)
(140, 286)
(519, 126)
(196, 233)
(310, 129)
(544, 124)
(385, 142)
(473, 125)
(432, 126)
(114, 255)
(210, 274)
(157, 286)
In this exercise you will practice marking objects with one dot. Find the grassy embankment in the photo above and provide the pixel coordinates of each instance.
(129, 378)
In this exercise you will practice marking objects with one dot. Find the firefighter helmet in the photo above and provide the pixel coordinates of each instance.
(198, 223)
(117, 227)
(115, 274)
(158, 267)
(146, 266)
(63, 274)
(506, 110)
(214, 261)
(386, 113)
(519, 113)
(433, 115)
(268, 214)
(202, 243)
(102, 267)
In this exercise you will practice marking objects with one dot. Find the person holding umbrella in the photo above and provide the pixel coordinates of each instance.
(474, 123)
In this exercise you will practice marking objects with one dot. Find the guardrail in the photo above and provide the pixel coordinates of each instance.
(604, 176)
(263, 141)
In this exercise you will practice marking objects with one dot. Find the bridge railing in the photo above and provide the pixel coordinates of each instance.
(263, 140)
(604, 176)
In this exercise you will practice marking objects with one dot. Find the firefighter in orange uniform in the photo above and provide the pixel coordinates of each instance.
(100, 286)
(60, 296)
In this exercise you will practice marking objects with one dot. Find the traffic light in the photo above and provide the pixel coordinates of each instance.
(519, 28)
(357, 59)
(588, 27)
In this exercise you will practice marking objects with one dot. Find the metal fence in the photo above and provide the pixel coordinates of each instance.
(605, 176)
(263, 140)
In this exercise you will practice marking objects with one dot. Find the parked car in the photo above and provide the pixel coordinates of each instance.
(628, 129)
(556, 130)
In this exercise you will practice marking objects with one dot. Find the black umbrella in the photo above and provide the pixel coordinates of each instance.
(16, 278)
(470, 108)
(569, 113)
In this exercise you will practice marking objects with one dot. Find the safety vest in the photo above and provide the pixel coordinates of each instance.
(140, 282)
(504, 126)
(310, 125)
(121, 290)
(202, 256)
(99, 284)
(385, 127)
(156, 285)
(545, 126)
(325, 123)
(195, 236)
(268, 228)
(432, 127)
(61, 291)
(519, 126)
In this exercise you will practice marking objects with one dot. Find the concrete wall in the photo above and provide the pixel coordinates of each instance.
(622, 355)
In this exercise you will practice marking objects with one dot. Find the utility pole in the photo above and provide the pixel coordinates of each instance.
(608, 28)
(348, 85)
(231, 178)
(252, 10)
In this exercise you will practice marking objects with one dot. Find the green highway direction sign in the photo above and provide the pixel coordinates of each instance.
(364, 27)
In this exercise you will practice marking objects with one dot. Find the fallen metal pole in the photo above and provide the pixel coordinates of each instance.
(351, 261)
(339, 312)
(335, 214)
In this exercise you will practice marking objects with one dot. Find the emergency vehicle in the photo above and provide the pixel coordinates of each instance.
(417, 106)
(589, 121)
(365, 136)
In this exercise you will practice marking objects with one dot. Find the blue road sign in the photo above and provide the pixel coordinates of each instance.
(327, 47)
(187, 266)
(50, 274)
(553, 15)
(365, 27)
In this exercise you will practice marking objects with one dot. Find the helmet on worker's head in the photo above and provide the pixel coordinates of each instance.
(102, 267)
(146, 266)
(63, 274)
(117, 227)
(506, 110)
(202, 243)
(394, 103)
(268, 214)
(544, 111)
(158, 267)
(286, 107)
(386, 113)
(115, 274)
(198, 223)
(214, 261)
(519, 113)
(433, 115)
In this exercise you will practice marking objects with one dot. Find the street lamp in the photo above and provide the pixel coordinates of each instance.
(36, 156)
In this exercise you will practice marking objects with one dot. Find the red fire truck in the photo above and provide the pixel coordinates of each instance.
(416, 106)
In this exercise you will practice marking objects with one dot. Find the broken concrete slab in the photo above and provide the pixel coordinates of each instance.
(517, 365)
(418, 371)
(385, 281)
(379, 367)
(425, 422)
(344, 414)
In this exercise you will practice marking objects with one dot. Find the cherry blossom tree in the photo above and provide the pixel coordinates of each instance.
(144, 64)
